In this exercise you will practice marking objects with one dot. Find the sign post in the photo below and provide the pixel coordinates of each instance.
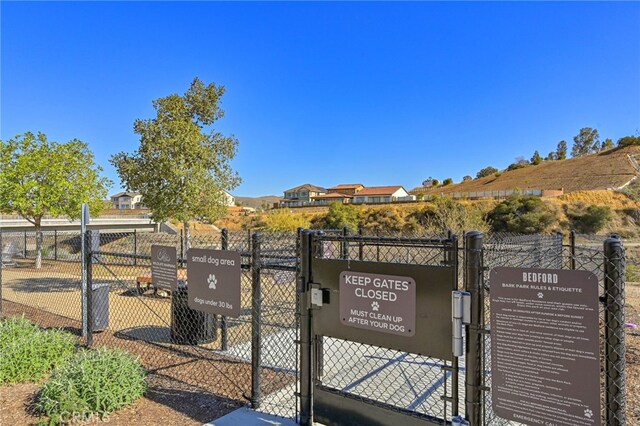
(84, 222)
(545, 354)
(164, 270)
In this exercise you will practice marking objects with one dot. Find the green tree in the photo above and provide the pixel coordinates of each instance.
(586, 142)
(536, 159)
(629, 140)
(435, 182)
(487, 171)
(521, 214)
(467, 178)
(561, 150)
(39, 177)
(182, 165)
(552, 156)
(447, 181)
(341, 215)
(606, 144)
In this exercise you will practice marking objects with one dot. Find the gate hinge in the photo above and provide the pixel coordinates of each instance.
(461, 316)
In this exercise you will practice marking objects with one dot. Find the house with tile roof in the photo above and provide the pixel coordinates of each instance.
(301, 195)
(127, 200)
(347, 188)
(382, 194)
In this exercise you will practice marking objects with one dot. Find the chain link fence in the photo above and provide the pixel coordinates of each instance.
(209, 365)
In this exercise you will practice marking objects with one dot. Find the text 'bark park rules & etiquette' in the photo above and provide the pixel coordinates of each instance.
(383, 303)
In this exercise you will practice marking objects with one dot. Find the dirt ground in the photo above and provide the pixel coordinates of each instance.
(632, 340)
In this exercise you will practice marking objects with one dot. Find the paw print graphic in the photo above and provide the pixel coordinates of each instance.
(375, 306)
(588, 413)
(540, 295)
(212, 281)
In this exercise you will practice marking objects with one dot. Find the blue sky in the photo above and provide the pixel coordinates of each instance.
(329, 93)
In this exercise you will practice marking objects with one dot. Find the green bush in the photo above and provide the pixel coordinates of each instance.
(588, 220)
(522, 214)
(341, 215)
(285, 220)
(28, 353)
(92, 383)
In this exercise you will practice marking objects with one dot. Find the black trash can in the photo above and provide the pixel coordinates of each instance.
(100, 306)
(188, 326)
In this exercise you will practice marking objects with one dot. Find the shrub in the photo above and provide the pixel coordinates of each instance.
(588, 220)
(93, 382)
(341, 215)
(28, 353)
(487, 171)
(285, 220)
(443, 214)
(382, 220)
(447, 181)
(522, 214)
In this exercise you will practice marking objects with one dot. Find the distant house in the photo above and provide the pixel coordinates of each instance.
(301, 195)
(348, 189)
(331, 197)
(127, 200)
(229, 199)
(382, 194)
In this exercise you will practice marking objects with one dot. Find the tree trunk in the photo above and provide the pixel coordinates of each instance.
(38, 248)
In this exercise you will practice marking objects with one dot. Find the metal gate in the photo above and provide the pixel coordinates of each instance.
(376, 329)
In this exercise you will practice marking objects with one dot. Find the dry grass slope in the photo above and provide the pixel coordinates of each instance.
(608, 169)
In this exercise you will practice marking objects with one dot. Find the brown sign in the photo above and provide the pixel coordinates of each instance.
(545, 346)
(214, 281)
(163, 267)
(383, 303)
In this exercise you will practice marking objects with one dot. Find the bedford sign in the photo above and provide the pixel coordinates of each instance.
(383, 303)
(214, 281)
(545, 357)
(163, 267)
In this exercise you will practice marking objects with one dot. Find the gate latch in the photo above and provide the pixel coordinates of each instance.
(319, 296)
(461, 316)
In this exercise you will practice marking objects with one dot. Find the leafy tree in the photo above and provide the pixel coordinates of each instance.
(606, 144)
(435, 182)
(341, 215)
(586, 142)
(447, 181)
(561, 150)
(182, 165)
(39, 177)
(487, 171)
(552, 156)
(467, 178)
(521, 214)
(629, 140)
(536, 159)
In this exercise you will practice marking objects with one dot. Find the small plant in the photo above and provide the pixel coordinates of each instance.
(28, 353)
(92, 383)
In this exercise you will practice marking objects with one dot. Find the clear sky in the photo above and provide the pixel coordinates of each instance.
(329, 93)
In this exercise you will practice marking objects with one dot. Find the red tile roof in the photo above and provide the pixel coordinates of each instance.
(348, 186)
(378, 190)
(331, 195)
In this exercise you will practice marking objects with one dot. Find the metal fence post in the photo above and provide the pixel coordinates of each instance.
(256, 338)
(345, 245)
(135, 246)
(614, 279)
(24, 248)
(360, 245)
(224, 245)
(182, 248)
(88, 263)
(306, 332)
(572, 248)
(55, 244)
(558, 251)
(473, 277)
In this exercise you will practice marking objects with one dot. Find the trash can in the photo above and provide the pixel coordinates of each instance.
(188, 326)
(100, 306)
